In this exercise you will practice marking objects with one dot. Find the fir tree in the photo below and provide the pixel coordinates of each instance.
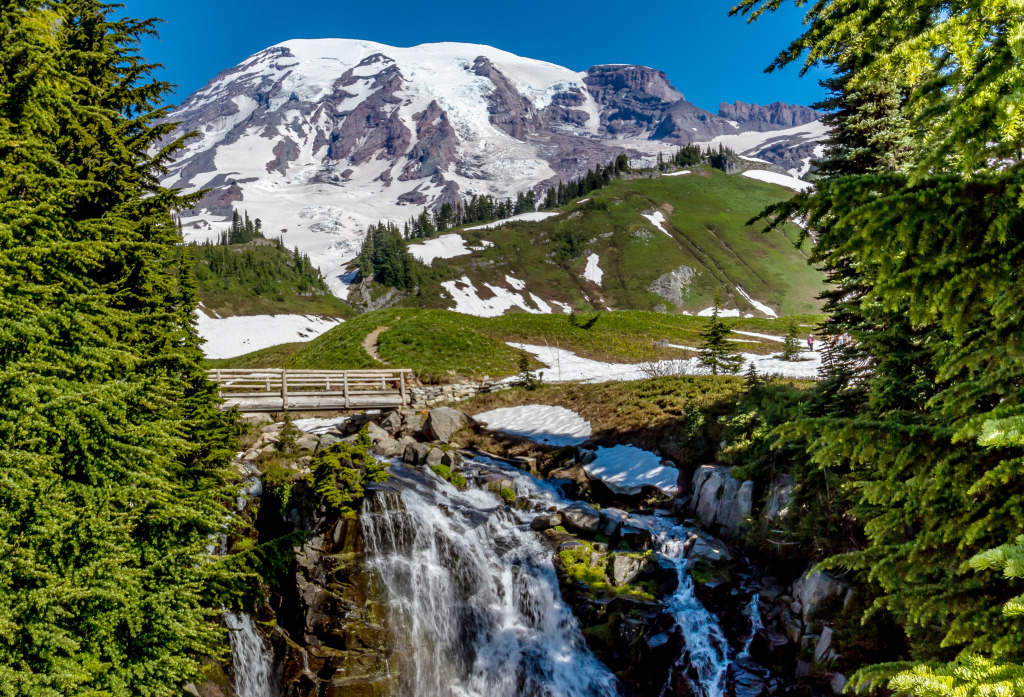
(717, 353)
(791, 346)
(112, 451)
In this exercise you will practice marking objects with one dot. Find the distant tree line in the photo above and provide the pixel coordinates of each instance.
(243, 230)
(691, 154)
(485, 208)
(265, 269)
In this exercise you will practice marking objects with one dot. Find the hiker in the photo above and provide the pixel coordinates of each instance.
(810, 342)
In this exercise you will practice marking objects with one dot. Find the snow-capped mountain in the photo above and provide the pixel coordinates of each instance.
(319, 138)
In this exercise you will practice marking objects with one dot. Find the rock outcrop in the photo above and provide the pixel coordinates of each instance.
(721, 503)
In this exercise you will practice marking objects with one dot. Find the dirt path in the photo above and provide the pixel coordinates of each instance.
(370, 344)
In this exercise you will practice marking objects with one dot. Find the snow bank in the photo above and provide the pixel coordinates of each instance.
(318, 426)
(566, 366)
(593, 272)
(759, 305)
(780, 179)
(443, 247)
(770, 337)
(540, 423)
(657, 219)
(625, 469)
(532, 217)
(678, 174)
(232, 336)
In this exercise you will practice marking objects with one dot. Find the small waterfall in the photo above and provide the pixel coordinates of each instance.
(473, 596)
(249, 659)
(754, 615)
(706, 645)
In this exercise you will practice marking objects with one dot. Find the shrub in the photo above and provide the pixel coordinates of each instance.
(340, 472)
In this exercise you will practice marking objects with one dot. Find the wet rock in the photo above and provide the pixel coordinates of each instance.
(778, 498)
(497, 482)
(625, 569)
(416, 453)
(638, 538)
(451, 458)
(585, 457)
(611, 520)
(444, 422)
(705, 548)
(392, 423)
(770, 646)
(747, 679)
(581, 517)
(545, 521)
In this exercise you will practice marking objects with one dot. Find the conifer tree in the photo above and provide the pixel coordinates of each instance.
(717, 353)
(791, 346)
(112, 451)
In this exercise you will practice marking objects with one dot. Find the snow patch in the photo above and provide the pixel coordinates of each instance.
(780, 179)
(710, 311)
(758, 305)
(625, 469)
(657, 219)
(232, 336)
(318, 426)
(515, 282)
(593, 272)
(540, 423)
(443, 247)
(678, 174)
(468, 301)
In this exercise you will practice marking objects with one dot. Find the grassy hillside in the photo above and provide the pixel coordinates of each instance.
(444, 346)
(705, 231)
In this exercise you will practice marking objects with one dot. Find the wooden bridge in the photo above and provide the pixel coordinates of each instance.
(272, 389)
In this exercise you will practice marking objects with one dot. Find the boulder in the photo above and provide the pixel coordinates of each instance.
(416, 453)
(412, 423)
(376, 433)
(545, 521)
(389, 447)
(823, 650)
(497, 482)
(392, 423)
(307, 441)
(624, 569)
(451, 458)
(814, 588)
(720, 502)
(257, 419)
(778, 498)
(636, 537)
(747, 679)
(327, 440)
(444, 422)
(434, 457)
(581, 517)
(585, 457)
(611, 520)
(706, 549)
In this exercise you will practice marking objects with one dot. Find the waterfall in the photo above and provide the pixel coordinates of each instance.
(473, 596)
(754, 615)
(706, 646)
(249, 659)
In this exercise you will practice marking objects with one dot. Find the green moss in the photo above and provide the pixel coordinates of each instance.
(459, 481)
(507, 495)
(443, 471)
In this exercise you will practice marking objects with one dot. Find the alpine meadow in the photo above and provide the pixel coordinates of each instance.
(372, 369)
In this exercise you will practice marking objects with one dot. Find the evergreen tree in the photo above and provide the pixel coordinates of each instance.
(717, 353)
(791, 346)
(112, 451)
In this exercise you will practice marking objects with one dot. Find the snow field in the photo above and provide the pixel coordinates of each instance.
(443, 247)
(531, 217)
(227, 337)
(540, 423)
(625, 469)
(468, 301)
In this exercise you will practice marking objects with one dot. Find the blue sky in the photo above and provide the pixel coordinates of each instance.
(709, 56)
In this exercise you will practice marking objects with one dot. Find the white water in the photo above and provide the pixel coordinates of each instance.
(249, 659)
(706, 646)
(474, 599)
(754, 615)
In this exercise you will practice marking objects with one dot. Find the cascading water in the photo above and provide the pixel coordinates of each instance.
(707, 649)
(249, 659)
(473, 595)
(754, 615)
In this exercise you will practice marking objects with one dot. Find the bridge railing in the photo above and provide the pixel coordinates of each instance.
(272, 389)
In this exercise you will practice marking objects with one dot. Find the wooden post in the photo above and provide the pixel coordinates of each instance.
(401, 388)
(284, 390)
(345, 388)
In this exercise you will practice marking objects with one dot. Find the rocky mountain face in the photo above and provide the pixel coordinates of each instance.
(319, 138)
